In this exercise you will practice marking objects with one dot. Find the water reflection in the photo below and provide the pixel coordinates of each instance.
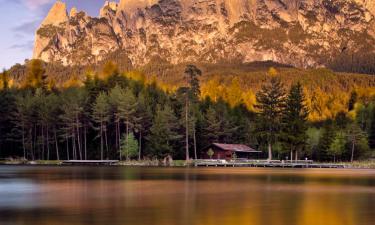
(157, 196)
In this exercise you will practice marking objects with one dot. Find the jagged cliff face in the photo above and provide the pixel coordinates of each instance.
(304, 33)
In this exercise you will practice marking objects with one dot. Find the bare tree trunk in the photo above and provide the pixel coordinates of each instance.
(187, 129)
(352, 157)
(291, 156)
(74, 147)
(101, 140)
(23, 142)
(296, 155)
(118, 137)
(106, 142)
(140, 144)
(47, 143)
(127, 139)
(269, 151)
(85, 140)
(195, 143)
(31, 143)
(78, 139)
(57, 145)
(67, 147)
(43, 141)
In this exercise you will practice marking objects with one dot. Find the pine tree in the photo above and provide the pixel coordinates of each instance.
(23, 121)
(128, 110)
(72, 107)
(328, 134)
(129, 146)
(213, 126)
(163, 133)
(192, 74)
(338, 145)
(7, 107)
(116, 100)
(355, 135)
(314, 136)
(271, 103)
(294, 121)
(372, 132)
(101, 116)
(144, 123)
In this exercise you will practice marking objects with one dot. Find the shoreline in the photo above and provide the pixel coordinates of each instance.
(155, 163)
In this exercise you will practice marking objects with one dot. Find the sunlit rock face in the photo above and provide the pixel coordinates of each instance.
(304, 33)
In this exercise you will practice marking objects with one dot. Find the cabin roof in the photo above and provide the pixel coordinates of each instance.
(234, 147)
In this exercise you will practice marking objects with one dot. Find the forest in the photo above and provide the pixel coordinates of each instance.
(131, 116)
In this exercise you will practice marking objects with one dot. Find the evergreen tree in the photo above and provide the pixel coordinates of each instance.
(328, 134)
(295, 121)
(192, 93)
(101, 117)
(163, 132)
(144, 123)
(372, 132)
(355, 136)
(116, 99)
(72, 111)
(271, 103)
(314, 136)
(128, 110)
(7, 107)
(23, 121)
(129, 146)
(337, 146)
(213, 126)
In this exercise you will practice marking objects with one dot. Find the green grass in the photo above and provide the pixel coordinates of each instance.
(368, 164)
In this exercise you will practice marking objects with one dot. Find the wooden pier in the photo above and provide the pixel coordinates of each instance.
(265, 163)
(90, 162)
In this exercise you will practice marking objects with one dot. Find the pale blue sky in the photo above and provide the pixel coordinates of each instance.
(19, 20)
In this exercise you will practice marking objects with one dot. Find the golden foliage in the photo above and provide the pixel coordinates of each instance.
(272, 72)
(108, 70)
(73, 81)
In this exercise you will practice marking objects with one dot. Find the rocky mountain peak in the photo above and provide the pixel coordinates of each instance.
(108, 7)
(58, 14)
(304, 33)
(73, 12)
(131, 6)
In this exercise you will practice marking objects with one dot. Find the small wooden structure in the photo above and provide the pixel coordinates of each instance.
(227, 151)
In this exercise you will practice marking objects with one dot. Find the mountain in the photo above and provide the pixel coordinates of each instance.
(302, 33)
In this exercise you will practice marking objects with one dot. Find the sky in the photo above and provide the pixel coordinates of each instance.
(19, 20)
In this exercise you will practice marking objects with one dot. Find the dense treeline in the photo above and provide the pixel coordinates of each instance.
(359, 62)
(116, 117)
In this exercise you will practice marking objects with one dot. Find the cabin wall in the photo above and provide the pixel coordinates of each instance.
(218, 154)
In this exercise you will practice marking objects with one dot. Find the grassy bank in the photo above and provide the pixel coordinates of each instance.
(369, 164)
(176, 163)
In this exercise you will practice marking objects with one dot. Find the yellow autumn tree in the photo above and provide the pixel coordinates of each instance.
(234, 93)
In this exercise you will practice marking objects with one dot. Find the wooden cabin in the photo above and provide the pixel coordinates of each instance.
(226, 151)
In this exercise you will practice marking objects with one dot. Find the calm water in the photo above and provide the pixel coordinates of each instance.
(170, 196)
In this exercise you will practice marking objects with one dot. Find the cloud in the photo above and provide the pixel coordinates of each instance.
(23, 46)
(27, 27)
(36, 4)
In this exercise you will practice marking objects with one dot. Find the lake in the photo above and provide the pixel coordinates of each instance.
(197, 196)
